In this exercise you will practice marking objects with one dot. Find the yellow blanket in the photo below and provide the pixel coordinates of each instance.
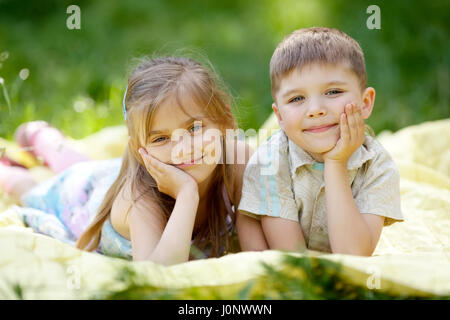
(412, 258)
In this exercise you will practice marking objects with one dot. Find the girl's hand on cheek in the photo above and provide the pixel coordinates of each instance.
(170, 179)
(352, 135)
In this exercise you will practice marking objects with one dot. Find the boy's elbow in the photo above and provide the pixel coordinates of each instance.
(363, 251)
(353, 252)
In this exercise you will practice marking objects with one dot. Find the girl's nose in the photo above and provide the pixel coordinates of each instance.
(187, 147)
(182, 139)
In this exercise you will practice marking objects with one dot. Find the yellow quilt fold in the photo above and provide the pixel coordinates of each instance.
(412, 257)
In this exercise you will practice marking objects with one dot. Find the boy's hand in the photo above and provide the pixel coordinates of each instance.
(170, 179)
(352, 135)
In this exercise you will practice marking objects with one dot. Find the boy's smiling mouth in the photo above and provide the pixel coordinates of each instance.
(320, 128)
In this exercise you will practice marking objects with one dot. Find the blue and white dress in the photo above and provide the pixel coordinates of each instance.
(65, 205)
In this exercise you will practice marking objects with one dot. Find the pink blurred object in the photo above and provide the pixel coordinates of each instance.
(10, 176)
(49, 144)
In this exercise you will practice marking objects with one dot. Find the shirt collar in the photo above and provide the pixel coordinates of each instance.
(299, 157)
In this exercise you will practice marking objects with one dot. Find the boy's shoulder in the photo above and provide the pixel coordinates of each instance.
(376, 148)
(371, 143)
(372, 156)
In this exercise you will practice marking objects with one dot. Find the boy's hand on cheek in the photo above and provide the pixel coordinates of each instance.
(352, 135)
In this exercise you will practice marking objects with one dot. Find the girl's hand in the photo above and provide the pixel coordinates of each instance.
(352, 135)
(170, 179)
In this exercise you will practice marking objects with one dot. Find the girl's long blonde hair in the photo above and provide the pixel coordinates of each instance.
(150, 83)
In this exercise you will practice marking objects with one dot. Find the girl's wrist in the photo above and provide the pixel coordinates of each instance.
(189, 190)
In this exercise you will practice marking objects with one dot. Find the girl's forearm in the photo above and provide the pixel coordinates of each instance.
(175, 242)
(348, 232)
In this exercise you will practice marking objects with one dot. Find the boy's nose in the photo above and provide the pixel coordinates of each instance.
(318, 113)
(316, 110)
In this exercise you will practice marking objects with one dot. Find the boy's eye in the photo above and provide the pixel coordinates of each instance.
(296, 99)
(333, 92)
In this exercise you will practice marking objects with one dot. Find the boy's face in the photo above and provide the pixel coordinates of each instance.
(310, 101)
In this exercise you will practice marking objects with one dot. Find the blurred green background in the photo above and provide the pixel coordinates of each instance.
(75, 78)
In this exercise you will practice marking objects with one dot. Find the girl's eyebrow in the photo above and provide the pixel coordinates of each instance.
(184, 124)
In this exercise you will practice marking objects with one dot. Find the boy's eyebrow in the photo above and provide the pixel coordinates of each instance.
(335, 82)
(184, 124)
(289, 92)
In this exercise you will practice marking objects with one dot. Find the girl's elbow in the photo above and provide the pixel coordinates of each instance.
(160, 259)
(163, 262)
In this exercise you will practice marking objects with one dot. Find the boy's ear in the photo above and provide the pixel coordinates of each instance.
(278, 114)
(368, 100)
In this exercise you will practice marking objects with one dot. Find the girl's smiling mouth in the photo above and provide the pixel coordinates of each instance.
(189, 164)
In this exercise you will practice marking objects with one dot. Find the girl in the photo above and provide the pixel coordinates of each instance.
(172, 188)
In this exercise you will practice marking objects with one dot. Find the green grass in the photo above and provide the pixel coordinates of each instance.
(77, 78)
(298, 278)
(407, 60)
(295, 278)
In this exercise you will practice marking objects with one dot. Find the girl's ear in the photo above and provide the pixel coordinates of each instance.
(278, 114)
(132, 147)
(368, 100)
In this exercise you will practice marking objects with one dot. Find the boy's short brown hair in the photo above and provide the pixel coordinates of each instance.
(317, 44)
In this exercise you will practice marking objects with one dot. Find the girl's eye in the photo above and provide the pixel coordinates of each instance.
(159, 139)
(333, 92)
(195, 127)
(297, 99)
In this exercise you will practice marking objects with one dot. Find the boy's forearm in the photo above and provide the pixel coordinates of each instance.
(175, 243)
(348, 232)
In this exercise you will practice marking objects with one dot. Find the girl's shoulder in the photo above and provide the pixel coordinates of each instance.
(242, 153)
(125, 204)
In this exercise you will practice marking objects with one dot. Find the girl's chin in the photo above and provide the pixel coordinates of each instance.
(201, 173)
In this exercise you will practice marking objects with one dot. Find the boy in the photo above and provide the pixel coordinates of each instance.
(324, 184)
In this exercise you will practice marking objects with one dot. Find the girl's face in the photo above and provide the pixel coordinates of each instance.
(188, 140)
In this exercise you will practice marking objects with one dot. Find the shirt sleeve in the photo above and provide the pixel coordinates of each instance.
(267, 184)
(380, 189)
